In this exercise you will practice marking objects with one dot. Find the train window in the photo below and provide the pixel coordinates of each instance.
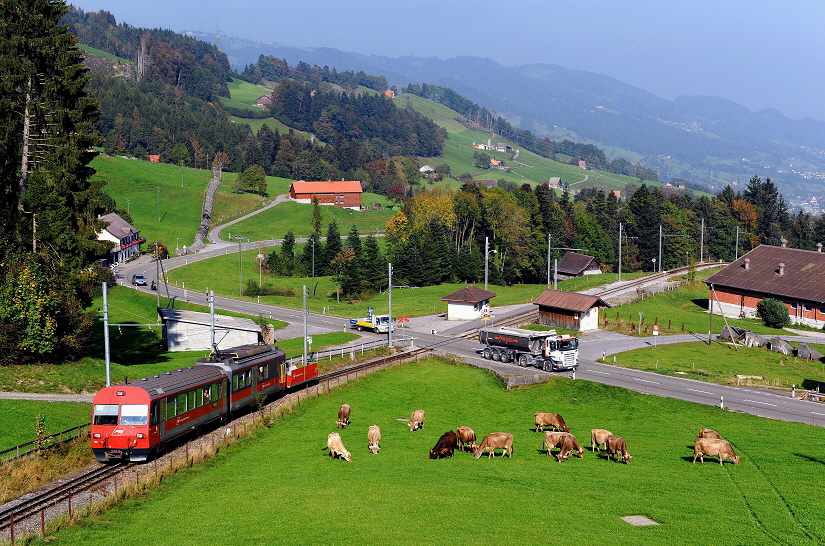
(263, 373)
(154, 413)
(247, 378)
(181, 403)
(170, 407)
(105, 414)
(234, 382)
(192, 402)
(207, 394)
(134, 414)
(198, 397)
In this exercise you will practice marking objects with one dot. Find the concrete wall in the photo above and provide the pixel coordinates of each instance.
(463, 311)
(184, 336)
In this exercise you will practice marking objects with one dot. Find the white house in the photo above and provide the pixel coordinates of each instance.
(126, 238)
(468, 303)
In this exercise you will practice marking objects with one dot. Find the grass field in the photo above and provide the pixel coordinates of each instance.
(18, 417)
(280, 487)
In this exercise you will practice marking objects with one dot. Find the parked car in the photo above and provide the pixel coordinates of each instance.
(138, 279)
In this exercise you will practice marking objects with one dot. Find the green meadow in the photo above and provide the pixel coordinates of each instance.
(282, 480)
(18, 418)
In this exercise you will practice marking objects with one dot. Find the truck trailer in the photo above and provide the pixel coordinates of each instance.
(545, 350)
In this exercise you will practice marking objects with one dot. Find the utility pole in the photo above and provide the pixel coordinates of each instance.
(660, 248)
(702, 242)
(158, 203)
(306, 334)
(549, 245)
(620, 251)
(212, 319)
(737, 244)
(486, 256)
(389, 330)
(239, 238)
(106, 333)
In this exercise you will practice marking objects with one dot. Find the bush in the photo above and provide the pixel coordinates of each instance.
(773, 313)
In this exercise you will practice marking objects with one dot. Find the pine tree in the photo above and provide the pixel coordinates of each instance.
(48, 226)
(332, 247)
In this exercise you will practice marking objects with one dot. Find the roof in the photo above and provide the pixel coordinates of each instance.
(487, 182)
(574, 263)
(203, 319)
(328, 186)
(569, 301)
(470, 294)
(118, 227)
(802, 278)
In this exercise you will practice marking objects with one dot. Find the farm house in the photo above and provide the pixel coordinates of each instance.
(790, 275)
(343, 193)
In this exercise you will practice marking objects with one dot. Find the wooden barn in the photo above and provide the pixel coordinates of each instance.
(790, 275)
(343, 193)
(569, 309)
(573, 264)
(467, 303)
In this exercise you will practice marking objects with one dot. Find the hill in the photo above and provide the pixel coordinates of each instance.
(707, 139)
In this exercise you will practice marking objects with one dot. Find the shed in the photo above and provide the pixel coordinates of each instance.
(189, 330)
(569, 309)
(343, 193)
(573, 264)
(467, 303)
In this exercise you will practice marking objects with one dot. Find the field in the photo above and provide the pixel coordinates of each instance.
(18, 417)
(280, 487)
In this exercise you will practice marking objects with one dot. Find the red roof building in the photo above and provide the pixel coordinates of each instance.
(344, 193)
(468, 303)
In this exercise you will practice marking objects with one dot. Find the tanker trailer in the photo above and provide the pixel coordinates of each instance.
(545, 350)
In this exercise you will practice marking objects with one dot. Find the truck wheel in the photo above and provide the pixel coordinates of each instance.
(506, 357)
(496, 356)
(523, 361)
(487, 354)
(359, 328)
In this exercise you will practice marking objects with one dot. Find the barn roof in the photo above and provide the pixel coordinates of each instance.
(327, 186)
(574, 263)
(803, 275)
(569, 301)
(118, 227)
(470, 294)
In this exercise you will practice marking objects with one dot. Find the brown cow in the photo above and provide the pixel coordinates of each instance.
(343, 416)
(466, 436)
(712, 446)
(598, 436)
(445, 445)
(336, 447)
(496, 440)
(616, 446)
(568, 445)
(709, 433)
(417, 420)
(550, 420)
(553, 439)
(374, 438)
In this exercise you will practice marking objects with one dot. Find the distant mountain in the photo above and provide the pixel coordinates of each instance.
(704, 139)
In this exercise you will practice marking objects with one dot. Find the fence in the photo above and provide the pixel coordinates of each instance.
(46, 443)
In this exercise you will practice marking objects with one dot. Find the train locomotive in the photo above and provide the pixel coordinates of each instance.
(135, 420)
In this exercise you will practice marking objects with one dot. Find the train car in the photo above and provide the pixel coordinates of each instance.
(135, 420)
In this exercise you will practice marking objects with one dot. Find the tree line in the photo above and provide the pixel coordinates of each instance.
(270, 69)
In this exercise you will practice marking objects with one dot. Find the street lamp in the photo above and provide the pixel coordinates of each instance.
(239, 238)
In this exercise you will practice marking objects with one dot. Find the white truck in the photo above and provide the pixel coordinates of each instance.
(546, 350)
(380, 324)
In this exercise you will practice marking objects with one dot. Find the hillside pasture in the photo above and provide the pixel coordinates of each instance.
(284, 478)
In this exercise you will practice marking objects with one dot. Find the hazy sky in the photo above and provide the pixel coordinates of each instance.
(759, 53)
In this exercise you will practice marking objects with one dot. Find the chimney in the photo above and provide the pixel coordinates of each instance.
(819, 247)
(783, 242)
(747, 264)
(781, 269)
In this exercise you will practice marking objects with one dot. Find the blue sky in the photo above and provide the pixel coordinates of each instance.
(761, 54)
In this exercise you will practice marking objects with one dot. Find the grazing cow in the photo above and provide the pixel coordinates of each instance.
(445, 446)
(496, 440)
(336, 447)
(343, 416)
(550, 420)
(568, 446)
(709, 433)
(417, 420)
(598, 436)
(616, 446)
(374, 437)
(466, 436)
(712, 446)
(553, 439)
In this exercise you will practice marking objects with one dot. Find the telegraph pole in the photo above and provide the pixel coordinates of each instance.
(660, 248)
(620, 251)
(389, 337)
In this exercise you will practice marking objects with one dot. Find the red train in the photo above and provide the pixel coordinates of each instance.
(136, 420)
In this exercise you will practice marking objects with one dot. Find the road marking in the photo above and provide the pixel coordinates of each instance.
(594, 371)
(703, 392)
(815, 413)
(646, 381)
(758, 402)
